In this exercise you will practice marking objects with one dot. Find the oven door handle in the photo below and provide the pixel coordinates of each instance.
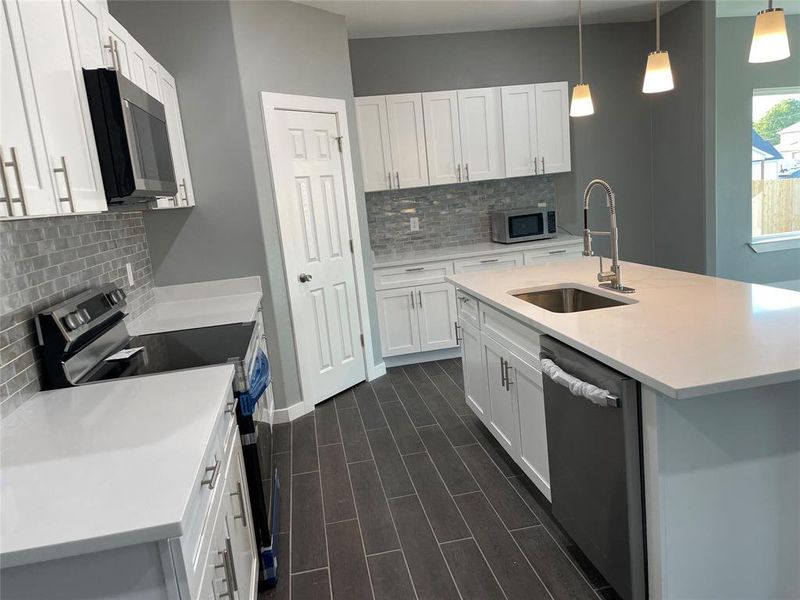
(578, 387)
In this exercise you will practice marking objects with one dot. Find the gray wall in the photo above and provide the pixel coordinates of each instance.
(222, 55)
(614, 144)
(735, 81)
(678, 146)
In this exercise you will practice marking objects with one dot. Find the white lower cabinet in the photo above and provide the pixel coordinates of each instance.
(486, 263)
(475, 390)
(417, 319)
(503, 416)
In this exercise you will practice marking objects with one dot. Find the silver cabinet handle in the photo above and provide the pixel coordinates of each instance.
(459, 339)
(508, 377)
(591, 392)
(240, 494)
(459, 173)
(412, 299)
(535, 166)
(214, 470)
(230, 407)
(304, 277)
(68, 198)
(389, 175)
(557, 252)
(397, 178)
(111, 46)
(490, 260)
(185, 191)
(412, 269)
(502, 372)
(466, 170)
(543, 171)
(231, 564)
(8, 198)
(419, 293)
(463, 299)
(226, 568)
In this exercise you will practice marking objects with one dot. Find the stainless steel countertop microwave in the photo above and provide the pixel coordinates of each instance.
(524, 224)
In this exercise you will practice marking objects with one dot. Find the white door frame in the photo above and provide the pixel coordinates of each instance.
(271, 102)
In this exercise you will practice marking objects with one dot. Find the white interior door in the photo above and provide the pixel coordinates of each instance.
(315, 234)
(27, 185)
(519, 129)
(407, 140)
(436, 307)
(442, 137)
(397, 318)
(552, 126)
(373, 141)
(480, 115)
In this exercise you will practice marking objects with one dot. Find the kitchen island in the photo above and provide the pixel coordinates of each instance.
(719, 366)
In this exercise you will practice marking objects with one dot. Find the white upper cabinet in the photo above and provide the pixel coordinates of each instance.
(407, 140)
(49, 39)
(90, 31)
(480, 116)
(25, 175)
(552, 126)
(373, 142)
(442, 137)
(177, 143)
(519, 130)
(118, 46)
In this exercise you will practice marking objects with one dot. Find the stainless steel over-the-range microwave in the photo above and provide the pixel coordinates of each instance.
(523, 224)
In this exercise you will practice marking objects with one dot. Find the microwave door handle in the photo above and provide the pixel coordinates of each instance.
(578, 387)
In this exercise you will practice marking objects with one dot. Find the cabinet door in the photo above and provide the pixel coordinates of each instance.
(137, 56)
(240, 526)
(552, 127)
(152, 77)
(90, 31)
(119, 41)
(373, 141)
(519, 130)
(27, 185)
(442, 137)
(475, 383)
(177, 143)
(407, 140)
(397, 318)
(436, 307)
(63, 109)
(480, 116)
(503, 417)
(526, 386)
(486, 263)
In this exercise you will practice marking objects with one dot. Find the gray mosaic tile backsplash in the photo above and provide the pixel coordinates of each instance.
(45, 261)
(449, 215)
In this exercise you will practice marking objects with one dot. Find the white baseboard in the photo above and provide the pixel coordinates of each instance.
(290, 413)
(419, 357)
(376, 370)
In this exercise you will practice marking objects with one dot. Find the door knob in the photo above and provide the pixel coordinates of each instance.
(304, 277)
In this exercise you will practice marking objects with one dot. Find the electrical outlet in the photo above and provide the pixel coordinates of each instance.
(129, 268)
(414, 221)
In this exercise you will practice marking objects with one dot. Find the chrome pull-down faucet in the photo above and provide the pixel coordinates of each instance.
(609, 279)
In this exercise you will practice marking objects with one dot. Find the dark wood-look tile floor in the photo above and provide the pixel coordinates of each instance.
(393, 490)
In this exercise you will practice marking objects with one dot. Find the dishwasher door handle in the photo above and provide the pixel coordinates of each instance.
(578, 387)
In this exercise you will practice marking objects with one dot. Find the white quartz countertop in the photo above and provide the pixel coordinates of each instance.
(204, 304)
(393, 259)
(105, 465)
(685, 335)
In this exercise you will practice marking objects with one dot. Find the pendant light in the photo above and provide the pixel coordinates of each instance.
(770, 41)
(658, 75)
(581, 104)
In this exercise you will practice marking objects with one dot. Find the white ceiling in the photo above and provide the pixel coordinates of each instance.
(389, 18)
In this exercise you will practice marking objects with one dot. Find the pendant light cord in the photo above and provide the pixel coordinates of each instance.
(658, 27)
(580, 38)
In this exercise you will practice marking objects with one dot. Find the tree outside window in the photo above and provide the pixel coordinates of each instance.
(776, 163)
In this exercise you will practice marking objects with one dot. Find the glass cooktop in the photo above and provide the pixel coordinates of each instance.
(178, 350)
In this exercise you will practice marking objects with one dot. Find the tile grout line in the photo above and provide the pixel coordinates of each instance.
(322, 502)
(355, 505)
(291, 507)
(311, 571)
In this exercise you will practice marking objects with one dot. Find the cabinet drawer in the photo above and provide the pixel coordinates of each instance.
(411, 275)
(516, 337)
(490, 262)
(544, 255)
(467, 308)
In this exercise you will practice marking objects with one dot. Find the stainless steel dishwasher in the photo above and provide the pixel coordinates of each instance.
(593, 440)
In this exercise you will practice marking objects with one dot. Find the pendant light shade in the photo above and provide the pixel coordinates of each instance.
(658, 74)
(581, 105)
(581, 101)
(770, 41)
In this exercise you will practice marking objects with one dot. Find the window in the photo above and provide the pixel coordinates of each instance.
(776, 164)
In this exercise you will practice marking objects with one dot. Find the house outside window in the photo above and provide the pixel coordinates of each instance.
(776, 164)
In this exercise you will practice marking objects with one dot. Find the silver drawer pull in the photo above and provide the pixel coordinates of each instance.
(214, 470)
(463, 299)
(490, 260)
(239, 493)
(557, 252)
(415, 269)
(8, 198)
(577, 387)
(231, 565)
(226, 567)
(230, 407)
(458, 337)
(68, 198)
(185, 191)
(503, 372)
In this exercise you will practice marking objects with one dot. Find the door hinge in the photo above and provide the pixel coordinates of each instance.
(361, 338)
(351, 246)
(338, 139)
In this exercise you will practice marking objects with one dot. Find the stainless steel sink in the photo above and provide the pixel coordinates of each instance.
(568, 300)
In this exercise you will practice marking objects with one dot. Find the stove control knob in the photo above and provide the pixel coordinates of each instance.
(116, 296)
(83, 316)
(72, 321)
